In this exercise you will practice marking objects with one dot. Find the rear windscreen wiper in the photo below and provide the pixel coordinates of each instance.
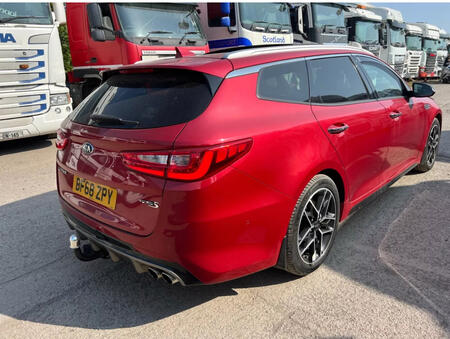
(4, 20)
(112, 120)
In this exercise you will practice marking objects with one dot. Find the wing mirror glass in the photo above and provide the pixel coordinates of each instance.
(421, 90)
(225, 21)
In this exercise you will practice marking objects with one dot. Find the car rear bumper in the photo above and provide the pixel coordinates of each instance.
(118, 249)
(205, 233)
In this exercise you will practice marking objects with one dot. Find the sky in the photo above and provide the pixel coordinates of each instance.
(437, 14)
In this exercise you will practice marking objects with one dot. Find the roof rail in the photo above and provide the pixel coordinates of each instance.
(287, 48)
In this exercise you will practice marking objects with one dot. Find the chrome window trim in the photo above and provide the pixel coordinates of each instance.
(256, 68)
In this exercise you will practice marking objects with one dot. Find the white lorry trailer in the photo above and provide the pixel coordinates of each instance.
(363, 28)
(393, 42)
(430, 40)
(230, 24)
(34, 99)
(414, 53)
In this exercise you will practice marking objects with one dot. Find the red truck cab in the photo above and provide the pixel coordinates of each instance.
(108, 35)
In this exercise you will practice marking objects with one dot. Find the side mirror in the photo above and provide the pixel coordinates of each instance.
(225, 8)
(98, 34)
(95, 17)
(422, 90)
(225, 21)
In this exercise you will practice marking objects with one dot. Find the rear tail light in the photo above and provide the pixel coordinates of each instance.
(186, 165)
(61, 140)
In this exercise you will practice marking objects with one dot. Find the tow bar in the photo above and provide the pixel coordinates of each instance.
(86, 252)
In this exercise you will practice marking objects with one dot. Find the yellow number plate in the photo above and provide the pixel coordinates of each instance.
(101, 194)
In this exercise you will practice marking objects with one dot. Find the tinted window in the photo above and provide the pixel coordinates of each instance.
(385, 82)
(335, 80)
(284, 82)
(147, 100)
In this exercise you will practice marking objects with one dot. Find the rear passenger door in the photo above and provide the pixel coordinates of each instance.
(403, 117)
(352, 119)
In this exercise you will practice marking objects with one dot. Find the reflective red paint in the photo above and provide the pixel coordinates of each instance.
(227, 222)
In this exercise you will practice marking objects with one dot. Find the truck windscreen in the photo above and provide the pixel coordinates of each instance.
(430, 44)
(397, 37)
(262, 14)
(163, 24)
(442, 45)
(414, 42)
(25, 13)
(366, 32)
(325, 14)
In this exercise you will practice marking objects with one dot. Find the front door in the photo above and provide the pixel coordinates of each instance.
(353, 121)
(402, 116)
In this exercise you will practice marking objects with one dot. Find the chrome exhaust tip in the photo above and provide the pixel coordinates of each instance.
(154, 273)
(74, 242)
(169, 279)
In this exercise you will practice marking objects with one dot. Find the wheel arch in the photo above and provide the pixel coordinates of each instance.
(336, 177)
(439, 117)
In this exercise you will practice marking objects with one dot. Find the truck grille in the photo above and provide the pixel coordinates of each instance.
(413, 63)
(430, 63)
(398, 68)
(22, 104)
(440, 61)
(22, 66)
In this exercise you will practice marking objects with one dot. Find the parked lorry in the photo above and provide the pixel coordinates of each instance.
(322, 23)
(108, 35)
(34, 99)
(230, 24)
(392, 37)
(363, 28)
(430, 40)
(442, 52)
(414, 53)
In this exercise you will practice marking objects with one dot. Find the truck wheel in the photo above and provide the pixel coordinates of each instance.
(431, 148)
(313, 226)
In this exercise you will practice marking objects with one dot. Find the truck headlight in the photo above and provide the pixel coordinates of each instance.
(39, 39)
(59, 99)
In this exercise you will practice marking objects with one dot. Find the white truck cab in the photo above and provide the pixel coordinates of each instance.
(414, 53)
(442, 52)
(393, 43)
(363, 28)
(34, 99)
(230, 24)
(430, 41)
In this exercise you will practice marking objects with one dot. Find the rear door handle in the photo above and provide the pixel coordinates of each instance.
(395, 115)
(336, 129)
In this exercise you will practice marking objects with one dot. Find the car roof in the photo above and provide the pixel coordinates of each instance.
(260, 55)
(222, 62)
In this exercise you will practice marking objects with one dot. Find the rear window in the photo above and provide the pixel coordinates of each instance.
(335, 80)
(284, 82)
(158, 98)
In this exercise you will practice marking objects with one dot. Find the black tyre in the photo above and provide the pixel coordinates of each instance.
(431, 148)
(313, 226)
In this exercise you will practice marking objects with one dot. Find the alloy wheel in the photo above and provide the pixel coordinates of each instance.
(317, 224)
(432, 144)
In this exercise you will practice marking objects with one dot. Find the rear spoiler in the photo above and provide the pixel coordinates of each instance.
(213, 81)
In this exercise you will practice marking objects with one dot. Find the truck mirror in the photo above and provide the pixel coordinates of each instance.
(225, 8)
(98, 34)
(225, 21)
(95, 17)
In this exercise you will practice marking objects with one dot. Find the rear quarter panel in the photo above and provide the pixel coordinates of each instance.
(289, 147)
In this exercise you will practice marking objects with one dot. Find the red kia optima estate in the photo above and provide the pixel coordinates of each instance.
(203, 169)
